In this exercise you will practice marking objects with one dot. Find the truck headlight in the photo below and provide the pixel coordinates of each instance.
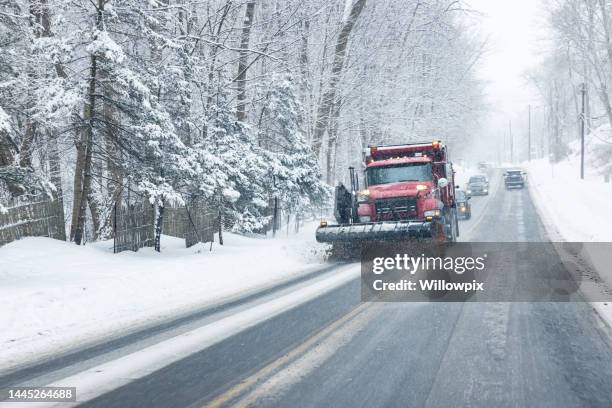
(363, 196)
(365, 218)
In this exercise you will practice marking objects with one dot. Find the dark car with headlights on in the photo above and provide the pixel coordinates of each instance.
(478, 185)
(464, 209)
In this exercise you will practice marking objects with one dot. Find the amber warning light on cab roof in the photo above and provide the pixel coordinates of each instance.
(375, 153)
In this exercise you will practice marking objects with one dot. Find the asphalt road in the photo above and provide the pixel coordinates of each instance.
(334, 351)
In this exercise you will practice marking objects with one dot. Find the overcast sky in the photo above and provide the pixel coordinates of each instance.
(516, 40)
(515, 35)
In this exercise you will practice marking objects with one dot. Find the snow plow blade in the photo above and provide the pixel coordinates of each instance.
(375, 231)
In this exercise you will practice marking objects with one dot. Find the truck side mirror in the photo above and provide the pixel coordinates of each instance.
(442, 182)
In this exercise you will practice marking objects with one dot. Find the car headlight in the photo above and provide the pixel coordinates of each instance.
(363, 196)
(365, 218)
(431, 214)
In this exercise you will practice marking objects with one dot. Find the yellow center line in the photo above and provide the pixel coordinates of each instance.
(240, 388)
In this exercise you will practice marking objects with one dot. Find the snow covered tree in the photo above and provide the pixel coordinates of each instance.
(580, 53)
(232, 103)
(293, 164)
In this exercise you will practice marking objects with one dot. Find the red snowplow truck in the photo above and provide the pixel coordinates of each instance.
(409, 194)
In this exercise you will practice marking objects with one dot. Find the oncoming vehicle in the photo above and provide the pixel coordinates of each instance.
(478, 185)
(464, 209)
(483, 166)
(514, 178)
(409, 194)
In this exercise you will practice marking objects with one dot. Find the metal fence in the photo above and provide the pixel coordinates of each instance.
(32, 219)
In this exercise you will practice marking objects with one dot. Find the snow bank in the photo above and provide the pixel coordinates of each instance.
(578, 209)
(54, 295)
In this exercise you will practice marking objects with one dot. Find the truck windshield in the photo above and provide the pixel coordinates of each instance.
(396, 174)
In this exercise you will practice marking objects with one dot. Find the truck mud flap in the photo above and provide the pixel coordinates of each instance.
(379, 231)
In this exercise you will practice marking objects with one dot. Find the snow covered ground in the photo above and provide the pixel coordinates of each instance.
(577, 210)
(55, 295)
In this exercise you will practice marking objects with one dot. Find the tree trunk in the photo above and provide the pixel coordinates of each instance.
(7, 149)
(212, 65)
(363, 132)
(243, 60)
(220, 220)
(7, 158)
(27, 145)
(95, 213)
(82, 173)
(159, 223)
(39, 23)
(304, 80)
(332, 142)
(329, 97)
(56, 179)
(114, 184)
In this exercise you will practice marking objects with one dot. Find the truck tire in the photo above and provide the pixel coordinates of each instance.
(451, 226)
(457, 233)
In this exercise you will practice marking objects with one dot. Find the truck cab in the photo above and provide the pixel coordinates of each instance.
(409, 190)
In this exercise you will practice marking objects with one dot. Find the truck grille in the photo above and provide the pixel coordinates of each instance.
(400, 208)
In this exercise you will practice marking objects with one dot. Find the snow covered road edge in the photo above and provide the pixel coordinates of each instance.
(563, 202)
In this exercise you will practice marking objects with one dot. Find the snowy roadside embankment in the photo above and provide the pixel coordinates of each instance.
(55, 295)
(577, 210)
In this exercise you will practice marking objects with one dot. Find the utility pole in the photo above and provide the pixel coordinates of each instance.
(499, 152)
(511, 141)
(529, 133)
(582, 123)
